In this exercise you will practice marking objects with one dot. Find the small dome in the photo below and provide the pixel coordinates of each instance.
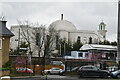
(63, 25)
(102, 23)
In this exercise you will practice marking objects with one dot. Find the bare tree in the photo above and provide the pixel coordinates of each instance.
(44, 39)
(50, 41)
(40, 33)
(26, 33)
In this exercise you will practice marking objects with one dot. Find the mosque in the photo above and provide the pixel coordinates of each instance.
(68, 31)
(65, 29)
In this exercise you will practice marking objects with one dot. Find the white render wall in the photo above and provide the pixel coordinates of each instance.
(84, 36)
(14, 43)
(64, 34)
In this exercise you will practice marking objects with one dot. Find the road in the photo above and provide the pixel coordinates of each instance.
(57, 77)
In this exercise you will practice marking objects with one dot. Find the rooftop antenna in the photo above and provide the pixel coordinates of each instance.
(61, 16)
(2, 17)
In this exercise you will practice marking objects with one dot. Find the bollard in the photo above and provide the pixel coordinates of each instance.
(45, 77)
(5, 78)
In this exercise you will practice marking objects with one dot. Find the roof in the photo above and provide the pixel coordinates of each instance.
(4, 31)
(98, 47)
(63, 25)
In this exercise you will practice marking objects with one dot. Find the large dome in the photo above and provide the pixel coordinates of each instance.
(63, 25)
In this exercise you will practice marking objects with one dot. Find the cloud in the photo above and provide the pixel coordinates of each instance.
(84, 15)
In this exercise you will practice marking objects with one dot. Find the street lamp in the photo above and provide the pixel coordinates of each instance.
(118, 44)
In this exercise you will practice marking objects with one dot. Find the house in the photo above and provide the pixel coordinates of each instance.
(78, 55)
(105, 53)
(5, 35)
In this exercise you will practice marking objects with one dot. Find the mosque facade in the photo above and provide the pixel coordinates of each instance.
(65, 29)
(68, 31)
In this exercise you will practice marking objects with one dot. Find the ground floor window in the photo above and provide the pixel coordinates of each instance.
(80, 54)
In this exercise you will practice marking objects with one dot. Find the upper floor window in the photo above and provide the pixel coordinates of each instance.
(90, 40)
(0, 43)
(37, 39)
(78, 39)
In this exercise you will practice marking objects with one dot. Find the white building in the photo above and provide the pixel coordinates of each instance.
(105, 52)
(78, 55)
(29, 34)
(94, 52)
(68, 31)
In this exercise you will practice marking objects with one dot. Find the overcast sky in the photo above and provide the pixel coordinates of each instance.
(84, 15)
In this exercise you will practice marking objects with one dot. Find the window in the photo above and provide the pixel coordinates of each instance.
(95, 68)
(37, 39)
(0, 43)
(80, 55)
(87, 55)
(90, 40)
(87, 68)
(78, 39)
(55, 69)
(101, 27)
(57, 41)
(103, 36)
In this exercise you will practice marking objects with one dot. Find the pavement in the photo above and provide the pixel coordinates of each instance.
(44, 77)
(36, 76)
(55, 77)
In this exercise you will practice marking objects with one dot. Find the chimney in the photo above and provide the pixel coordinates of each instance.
(61, 16)
(3, 23)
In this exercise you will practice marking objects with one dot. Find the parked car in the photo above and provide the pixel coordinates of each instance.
(92, 71)
(54, 71)
(24, 70)
(115, 74)
(72, 69)
(112, 68)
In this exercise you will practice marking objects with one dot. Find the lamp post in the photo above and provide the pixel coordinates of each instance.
(18, 40)
(118, 43)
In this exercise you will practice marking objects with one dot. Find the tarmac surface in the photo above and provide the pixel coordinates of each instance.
(57, 77)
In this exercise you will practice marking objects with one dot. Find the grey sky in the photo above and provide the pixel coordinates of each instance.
(84, 15)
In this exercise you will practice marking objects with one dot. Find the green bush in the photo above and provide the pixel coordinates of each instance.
(6, 66)
(4, 69)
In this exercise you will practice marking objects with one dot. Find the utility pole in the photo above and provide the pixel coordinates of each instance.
(118, 38)
(18, 41)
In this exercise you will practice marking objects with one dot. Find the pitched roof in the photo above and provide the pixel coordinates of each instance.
(4, 31)
(98, 47)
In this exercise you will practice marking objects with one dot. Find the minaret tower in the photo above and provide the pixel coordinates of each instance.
(102, 30)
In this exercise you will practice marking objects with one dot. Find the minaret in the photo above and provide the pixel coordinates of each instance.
(102, 30)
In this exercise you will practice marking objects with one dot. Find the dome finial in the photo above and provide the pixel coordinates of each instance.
(61, 16)
(102, 19)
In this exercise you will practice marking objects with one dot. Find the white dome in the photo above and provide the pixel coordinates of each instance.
(63, 25)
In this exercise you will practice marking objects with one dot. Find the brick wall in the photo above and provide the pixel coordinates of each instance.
(5, 49)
